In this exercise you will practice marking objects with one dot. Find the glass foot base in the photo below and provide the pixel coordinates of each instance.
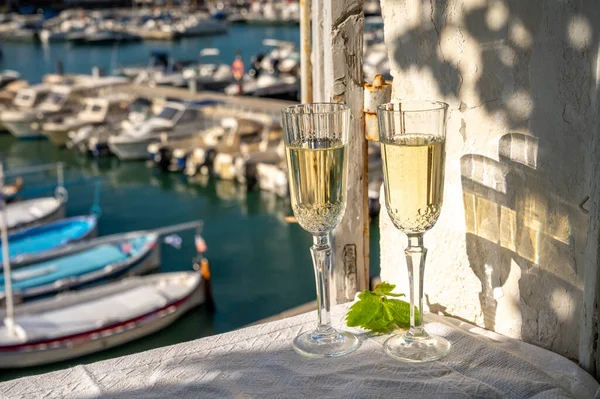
(418, 350)
(333, 344)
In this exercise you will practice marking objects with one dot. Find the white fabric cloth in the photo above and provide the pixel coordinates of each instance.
(259, 362)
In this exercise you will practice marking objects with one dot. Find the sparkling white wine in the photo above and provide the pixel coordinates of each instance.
(317, 176)
(413, 167)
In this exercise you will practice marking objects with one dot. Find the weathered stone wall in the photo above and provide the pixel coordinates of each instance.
(520, 78)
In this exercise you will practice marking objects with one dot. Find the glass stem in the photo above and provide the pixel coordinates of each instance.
(322, 261)
(415, 262)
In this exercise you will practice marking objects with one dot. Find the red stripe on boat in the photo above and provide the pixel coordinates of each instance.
(84, 336)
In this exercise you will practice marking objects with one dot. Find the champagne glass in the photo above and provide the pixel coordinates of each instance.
(316, 140)
(413, 137)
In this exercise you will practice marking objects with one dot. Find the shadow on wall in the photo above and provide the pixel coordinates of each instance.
(519, 242)
(526, 66)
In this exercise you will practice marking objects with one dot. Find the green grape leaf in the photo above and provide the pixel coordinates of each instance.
(385, 289)
(364, 310)
(376, 312)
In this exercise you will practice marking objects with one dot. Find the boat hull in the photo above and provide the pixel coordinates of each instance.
(104, 338)
(57, 137)
(130, 151)
(144, 263)
(23, 130)
(58, 214)
(30, 257)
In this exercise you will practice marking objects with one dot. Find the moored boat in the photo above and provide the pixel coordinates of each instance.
(97, 110)
(27, 213)
(83, 322)
(171, 155)
(283, 87)
(86, 263)
(64, 99)
(28, 245)
(176, 120)
(93, 137)
(13, 118)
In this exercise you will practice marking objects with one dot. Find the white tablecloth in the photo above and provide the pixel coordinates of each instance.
(258, 362)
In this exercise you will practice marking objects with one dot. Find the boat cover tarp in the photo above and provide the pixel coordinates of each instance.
(25, 212)
(90, 309)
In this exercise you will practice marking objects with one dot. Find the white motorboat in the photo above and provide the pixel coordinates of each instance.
(62, 32)
(93, 138)
(284, 87)
(255, 135)
(282, 57)
(63, 99)
(172, 154)
(210, 73)
(21, 31)
(23, 103)
(273, 178)
(159, 61)
(271, 151)
(270, 13)
(98, 110)
(83, 322)
(102, 36)
(205, 74)
(199, 26)
(176, 120)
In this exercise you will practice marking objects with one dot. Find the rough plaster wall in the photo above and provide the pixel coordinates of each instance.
(507, 250)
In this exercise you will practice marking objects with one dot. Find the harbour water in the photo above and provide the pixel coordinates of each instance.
(33, 60)
(260, 264)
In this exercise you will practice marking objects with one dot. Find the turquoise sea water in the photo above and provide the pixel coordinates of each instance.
(260, 264)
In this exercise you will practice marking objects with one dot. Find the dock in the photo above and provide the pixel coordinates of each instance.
(163, 92)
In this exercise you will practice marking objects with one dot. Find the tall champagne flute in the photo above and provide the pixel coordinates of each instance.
(316, 140)
(413, 138)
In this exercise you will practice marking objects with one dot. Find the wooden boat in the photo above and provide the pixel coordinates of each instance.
(83, 322)
(86, 263)
(35, 211)
(30, 245)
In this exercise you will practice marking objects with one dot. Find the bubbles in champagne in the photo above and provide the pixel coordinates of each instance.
(317, 177)
(319, 218)
(414, 181)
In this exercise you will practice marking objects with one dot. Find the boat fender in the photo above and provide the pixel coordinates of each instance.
(202, 265)
(61, 194)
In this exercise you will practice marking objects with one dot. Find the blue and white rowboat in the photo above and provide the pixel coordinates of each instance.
(86, 263)
(30, 244)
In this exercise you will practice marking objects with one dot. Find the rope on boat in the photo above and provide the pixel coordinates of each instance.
(95, 209)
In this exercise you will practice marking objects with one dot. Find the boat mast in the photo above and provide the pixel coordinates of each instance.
(9, 321)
